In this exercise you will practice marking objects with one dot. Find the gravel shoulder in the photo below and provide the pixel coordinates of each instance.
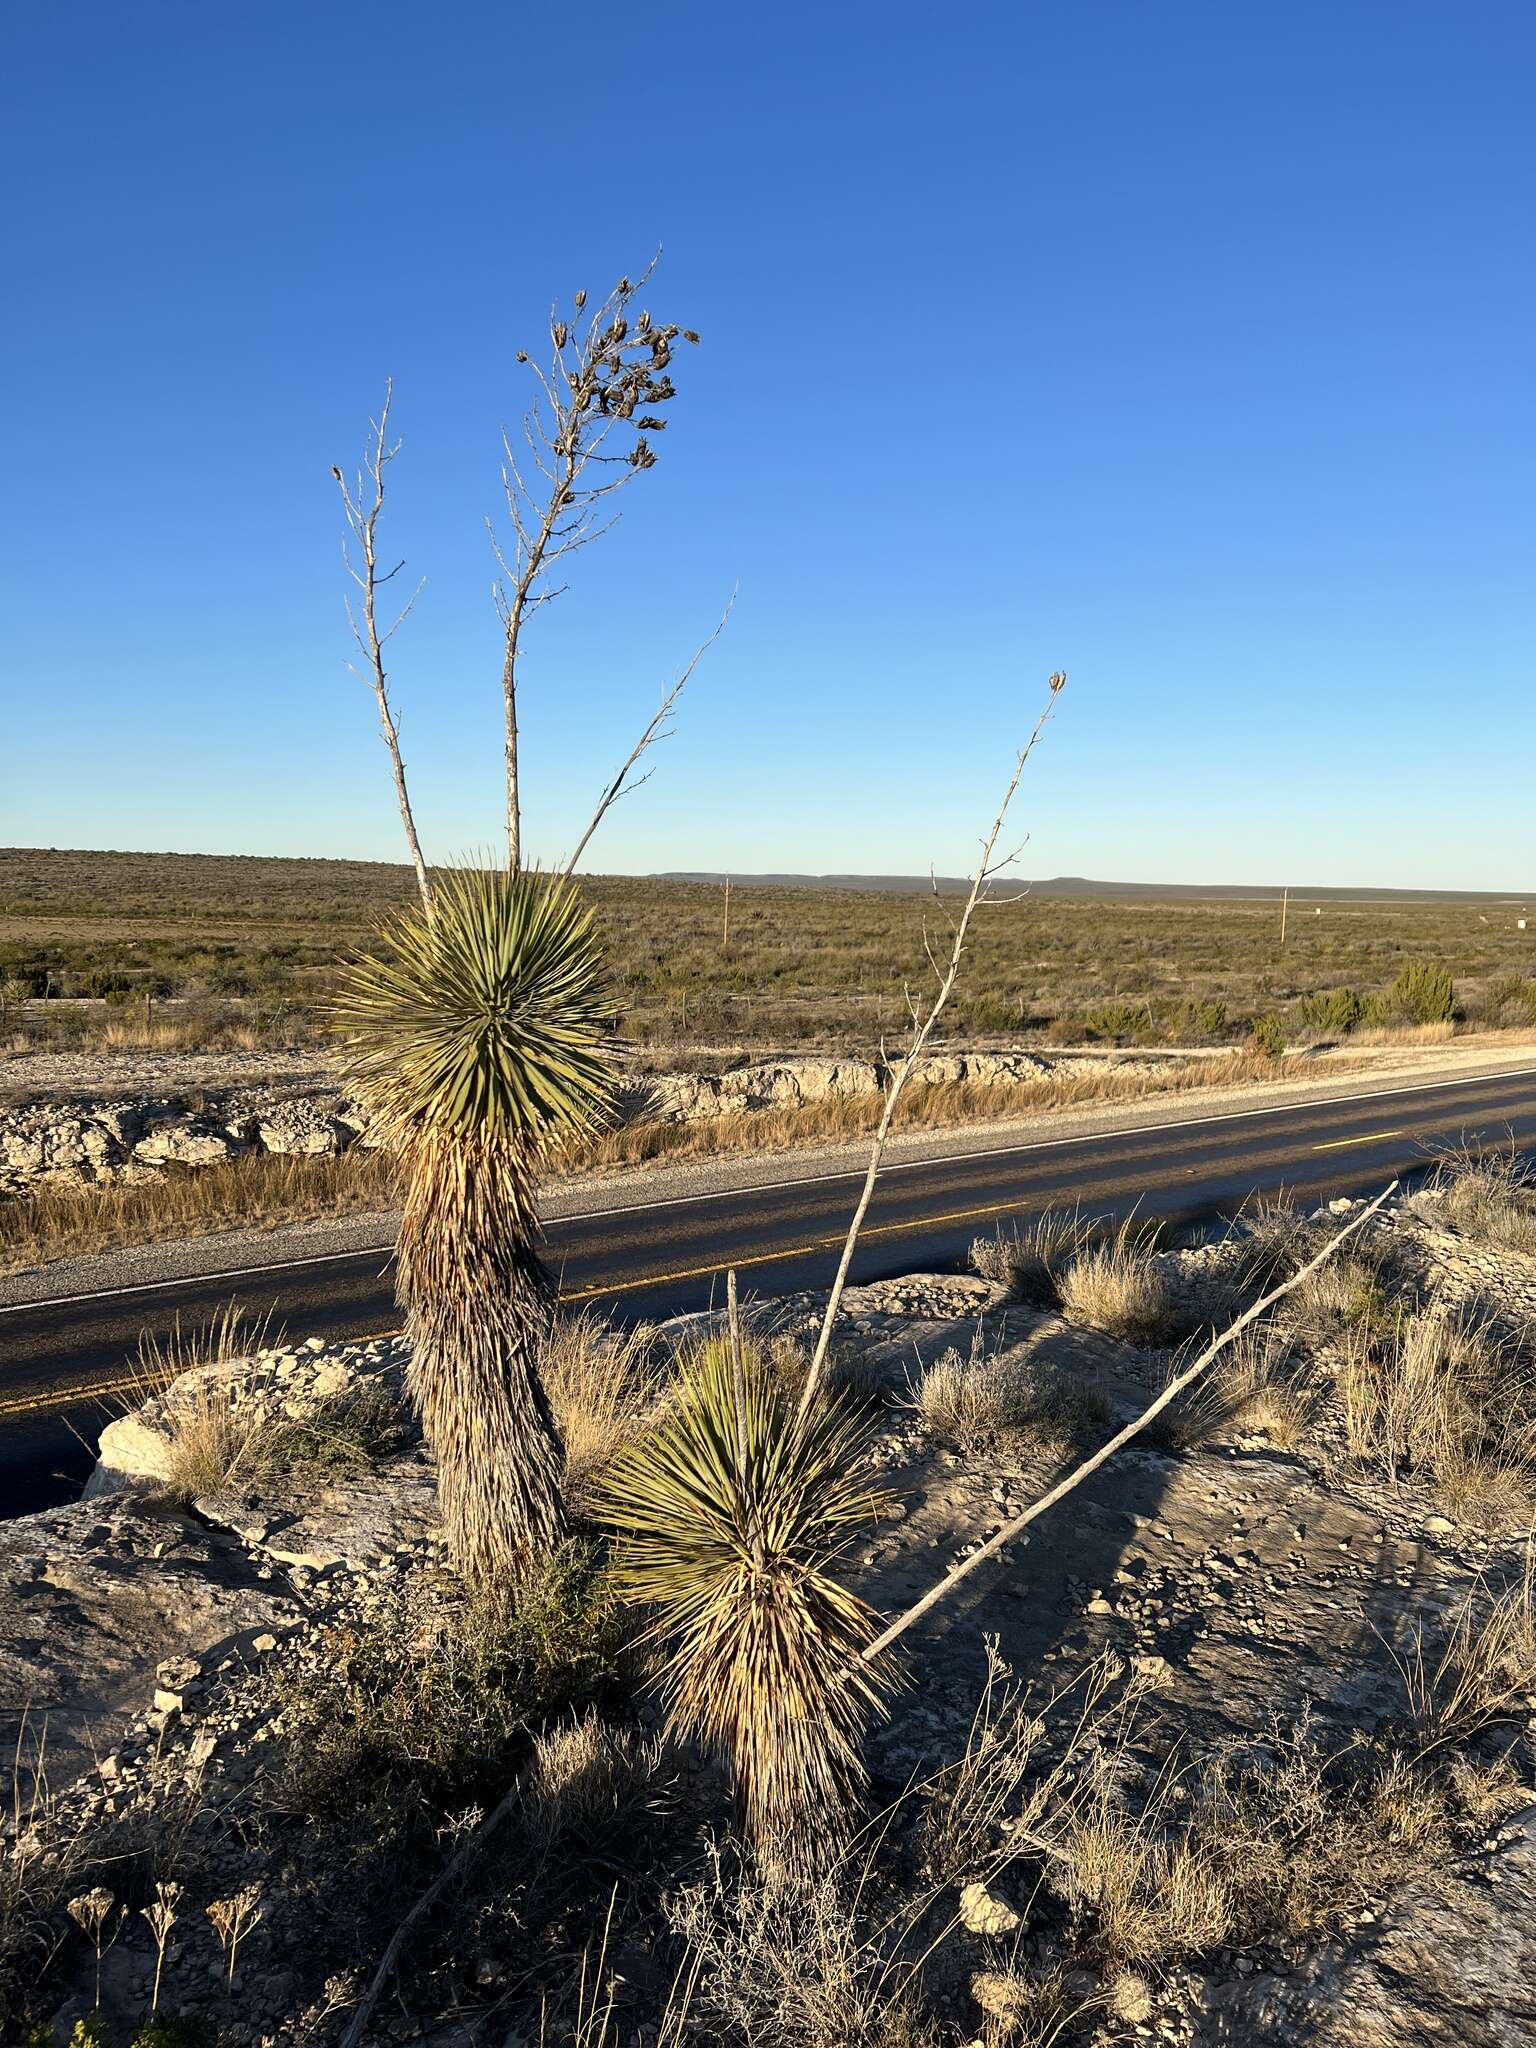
(1320, 1078)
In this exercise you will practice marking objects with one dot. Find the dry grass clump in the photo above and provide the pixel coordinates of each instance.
(1488, 1193)
(776, 1966)
(925, 1106)
(604, 1389)
(977, 1809)
(1270, 1846)
(1119, 1288)
(219, 1430)
(1478, 1671)
(1343, 1296)
(1139, 1892)
(588, 1779)
(1259, 1383)
(1031, 1258)
(1273, 1240)
(62, 1223)
(1447, 1397)
(988, 1397)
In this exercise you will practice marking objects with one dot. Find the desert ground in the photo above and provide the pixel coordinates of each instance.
(1233, 1745)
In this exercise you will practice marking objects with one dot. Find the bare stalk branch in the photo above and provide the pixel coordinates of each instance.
(658, 729)
(363, 523)
(922, 1031)
(607, 376)
(1176, 1386)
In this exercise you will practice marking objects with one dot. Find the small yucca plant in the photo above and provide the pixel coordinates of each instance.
(477, 1034)
(727, 1520)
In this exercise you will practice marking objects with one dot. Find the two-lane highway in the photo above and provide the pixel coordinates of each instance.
(62, 1359)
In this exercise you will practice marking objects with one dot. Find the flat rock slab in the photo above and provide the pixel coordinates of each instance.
(1452, 1966)
(320, 1524)
(92, 1599)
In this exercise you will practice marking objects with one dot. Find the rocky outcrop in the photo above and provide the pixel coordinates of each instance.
(92, 1598)
(49, 1145)
(807, 1078)
(272, 1387)
(84, 1141)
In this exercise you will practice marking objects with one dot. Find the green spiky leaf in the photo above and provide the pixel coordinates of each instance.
(727, 1519)
(488, 1019)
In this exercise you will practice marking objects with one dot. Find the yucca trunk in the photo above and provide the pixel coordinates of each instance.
(477, 1299)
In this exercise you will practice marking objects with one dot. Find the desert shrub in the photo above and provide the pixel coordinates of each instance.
(1266, 1037)
(1119, 1288)
(1450, 1398)
(1030, 1258)
(1488, 1193)
(423, 1709)
(1344, 1294)
(1330, 1013)
(772, 1966)
(1204, 1022)
(991, 1396)
(1509, 1001)
(1119, 1023)
(1424, 993)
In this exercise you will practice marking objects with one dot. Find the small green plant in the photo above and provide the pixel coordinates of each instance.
(1119, 1022)
(1205, 1021)
(1424, 992)
(1266, 1037)
(1330, 1013)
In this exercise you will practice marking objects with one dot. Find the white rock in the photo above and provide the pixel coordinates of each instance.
(983, 1912)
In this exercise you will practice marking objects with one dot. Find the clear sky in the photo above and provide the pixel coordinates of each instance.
(1183, 344)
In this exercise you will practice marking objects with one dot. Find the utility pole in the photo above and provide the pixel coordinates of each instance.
(725, 936)
(1285, 904)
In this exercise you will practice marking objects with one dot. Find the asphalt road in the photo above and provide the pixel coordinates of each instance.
(61, 1362)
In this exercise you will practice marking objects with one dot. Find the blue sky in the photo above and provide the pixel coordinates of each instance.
(1184, 346)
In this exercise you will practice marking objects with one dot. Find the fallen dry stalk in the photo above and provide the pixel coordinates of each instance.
(467, 1850)
(1170, 1393)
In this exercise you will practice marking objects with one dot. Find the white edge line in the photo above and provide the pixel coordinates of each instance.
(807, 1180)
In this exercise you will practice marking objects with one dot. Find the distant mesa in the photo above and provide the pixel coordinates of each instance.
(1082, 885)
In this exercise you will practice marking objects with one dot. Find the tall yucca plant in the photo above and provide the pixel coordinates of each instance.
(727, 1519)
(477, 1033)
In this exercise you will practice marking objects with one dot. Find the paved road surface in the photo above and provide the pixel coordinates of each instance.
(61, 1361)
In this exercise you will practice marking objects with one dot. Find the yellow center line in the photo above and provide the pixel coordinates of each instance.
(1370, 1138)
(792, 1251)
(59, 1397)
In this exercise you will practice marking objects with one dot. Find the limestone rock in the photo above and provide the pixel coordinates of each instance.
(190, 1141)
(983, 1912)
